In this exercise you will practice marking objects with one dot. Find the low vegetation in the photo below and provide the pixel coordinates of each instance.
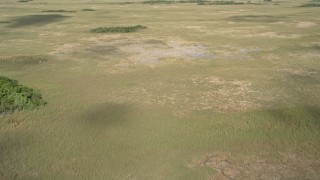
(59, 11)
(24, 0)
(17, 97)
(158, 2)
(310, 5)
(174, 2)
(23, 60)
(221, 3)
(126, 29)
(88, 9)
(205, 92)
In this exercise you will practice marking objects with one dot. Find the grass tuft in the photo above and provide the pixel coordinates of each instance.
(127, 29)
(17, 97)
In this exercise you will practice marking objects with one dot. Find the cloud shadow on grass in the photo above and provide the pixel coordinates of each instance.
(36, 20)
(106, 115)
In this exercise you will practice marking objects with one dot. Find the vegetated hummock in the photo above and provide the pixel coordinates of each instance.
(14, 96)
(126, 29)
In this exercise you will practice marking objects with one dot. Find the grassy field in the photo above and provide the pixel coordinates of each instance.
(204, 92)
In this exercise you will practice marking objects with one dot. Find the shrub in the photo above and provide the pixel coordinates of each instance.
(126, 29)
(17, 97)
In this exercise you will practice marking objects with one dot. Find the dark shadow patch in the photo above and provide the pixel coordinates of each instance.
(106, 115)
(36, 20)
(256, 18)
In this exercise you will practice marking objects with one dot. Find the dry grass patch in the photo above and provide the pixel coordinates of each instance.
(289, 168)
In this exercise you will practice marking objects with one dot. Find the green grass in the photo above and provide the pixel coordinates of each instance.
(239, 83)
(127, 29)
(17, 97)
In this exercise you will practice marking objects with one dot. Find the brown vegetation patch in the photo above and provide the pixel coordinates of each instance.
(195, 94)
(131, 52)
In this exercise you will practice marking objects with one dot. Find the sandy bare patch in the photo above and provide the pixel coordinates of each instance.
(54, 34)
(305, 55)
(275, 35)
(305, 24)
(132, 51)
(145, 53)
(65, 49)
(291, 168)
(300, 72)
(235, 53)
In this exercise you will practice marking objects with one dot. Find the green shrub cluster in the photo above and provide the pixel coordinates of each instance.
(127, 29)
(17, 97)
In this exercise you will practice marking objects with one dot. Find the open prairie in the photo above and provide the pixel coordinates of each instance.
(198, 91)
